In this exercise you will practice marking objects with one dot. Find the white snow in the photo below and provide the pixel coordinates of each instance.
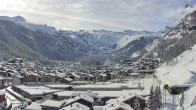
(33, 106)
(126, 39)
(182, 70)
(117, 105)
(189, 97)
(35, 27)
(192, 108)
(36, 90)
(184, 13)
(82, 96)
(53, 103)
(136, 35)
(76, 106)
(75, 93)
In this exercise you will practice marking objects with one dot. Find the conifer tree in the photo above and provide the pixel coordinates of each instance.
(136, 104)
(151, 98)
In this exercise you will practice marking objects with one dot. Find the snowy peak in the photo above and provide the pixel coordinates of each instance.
(15, 18)
(34, 27)
(185, 25)
(136, 35)
(19, 19)
(100, 42)
(179, 39)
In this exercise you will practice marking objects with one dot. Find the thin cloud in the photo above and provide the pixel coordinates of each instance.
(98, 14)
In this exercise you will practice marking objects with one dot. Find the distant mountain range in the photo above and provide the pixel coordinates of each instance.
(38, 40)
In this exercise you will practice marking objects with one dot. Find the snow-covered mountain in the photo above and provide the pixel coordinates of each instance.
(181, 71)
(182, 66)
(35, 27)
(76, 44)
(96, 42)
(99, 41)
(177, 50)
(103, 42)
(179, 39)
(136, 35)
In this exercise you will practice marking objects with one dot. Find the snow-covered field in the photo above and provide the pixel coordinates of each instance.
(182, 71)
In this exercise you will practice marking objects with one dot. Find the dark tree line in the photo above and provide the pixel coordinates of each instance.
(155, 99)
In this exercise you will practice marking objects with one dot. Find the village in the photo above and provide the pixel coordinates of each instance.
(128, 87)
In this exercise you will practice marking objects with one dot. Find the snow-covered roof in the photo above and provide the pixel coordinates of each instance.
(76, 106)
(18, 76)
(32, 73)
(82, 96)
(36, 89)
(53, 103)
(90, 75)
(56, 86)
(33, 106)
(125, 98)
(104, 75)
(68, 79)
(75, 75)
(105, 86)
(133, 74)
(75, 93)
(97, 107)
(116, 106)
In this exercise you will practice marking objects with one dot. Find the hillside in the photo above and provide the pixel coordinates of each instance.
(41, 44)
(179, 39)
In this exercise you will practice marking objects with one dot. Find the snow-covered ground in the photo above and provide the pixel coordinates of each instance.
(181, 71)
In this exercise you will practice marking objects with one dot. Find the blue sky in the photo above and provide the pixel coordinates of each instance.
(116, 15)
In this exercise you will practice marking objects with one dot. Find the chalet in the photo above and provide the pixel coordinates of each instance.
(102, 77)
(117, 106)
(3, 73)
(31, 77)
(90, 77)
(83, 76)
(47, 78)
(17, 79)
(52, 105)
(3, 81)
(110, 75)
(74, 76)
(65, 80)
(76, 106)
(67, 94)
(129, 99)
(82, 99)
(59, 77)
